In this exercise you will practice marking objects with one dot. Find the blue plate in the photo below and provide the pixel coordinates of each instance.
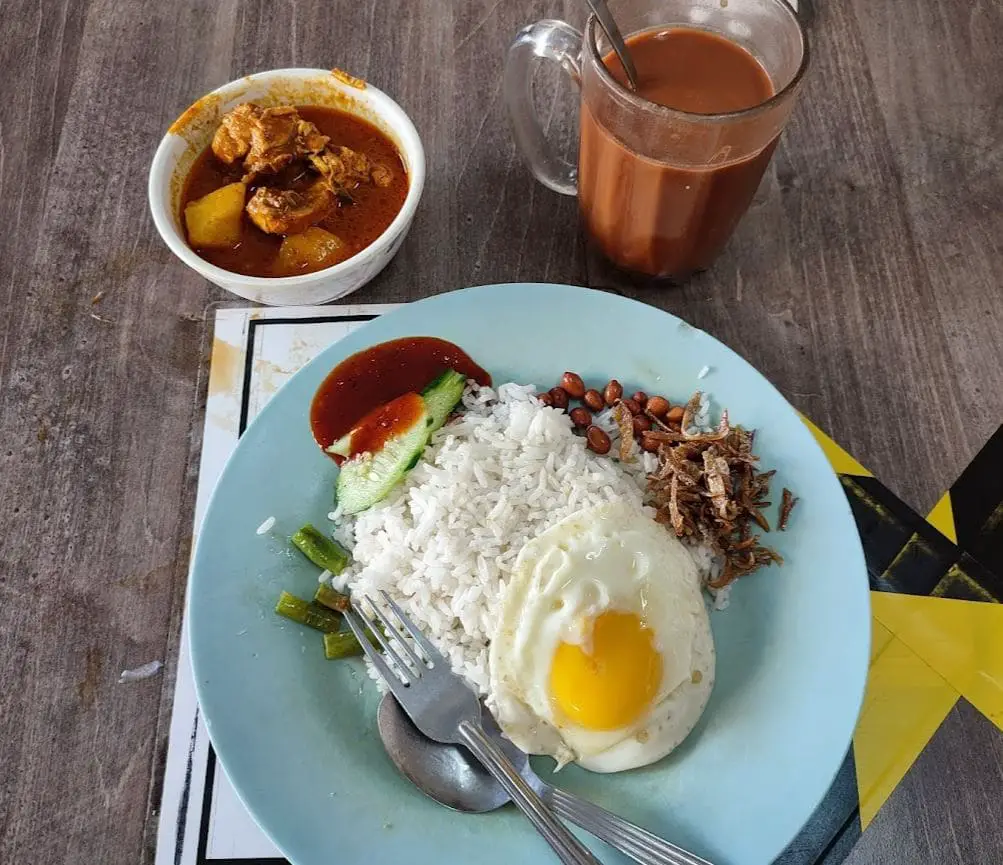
(296, 734)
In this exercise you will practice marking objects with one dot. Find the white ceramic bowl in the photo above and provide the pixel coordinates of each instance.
(191, 133)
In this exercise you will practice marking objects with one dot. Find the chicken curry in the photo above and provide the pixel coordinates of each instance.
(285, 191)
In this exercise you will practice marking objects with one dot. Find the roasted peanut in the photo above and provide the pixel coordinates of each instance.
(649, 443)
(641, 398)
(631, 405)
(573, 384)
(658, 406)
(545, 398)
(559, 397)
(641, 424)
(613, 392)
(598, 441)
(581, 417)
(593, 400)
(675, 414)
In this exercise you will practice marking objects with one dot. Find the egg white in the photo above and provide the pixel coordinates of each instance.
(610, 557)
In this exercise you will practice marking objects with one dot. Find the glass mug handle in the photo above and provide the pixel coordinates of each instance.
(559, 43)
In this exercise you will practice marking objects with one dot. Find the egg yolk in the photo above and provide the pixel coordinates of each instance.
(610, 685)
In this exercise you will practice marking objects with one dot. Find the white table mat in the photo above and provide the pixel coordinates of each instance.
(254, 353)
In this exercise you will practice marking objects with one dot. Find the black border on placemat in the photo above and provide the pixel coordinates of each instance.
(253, 325)
(210, 770)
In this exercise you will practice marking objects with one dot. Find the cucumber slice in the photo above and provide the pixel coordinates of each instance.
(343, 446)
(350, 445)
(367, 478)
(441, 397)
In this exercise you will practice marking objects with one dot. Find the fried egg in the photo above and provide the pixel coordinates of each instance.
(603, 654)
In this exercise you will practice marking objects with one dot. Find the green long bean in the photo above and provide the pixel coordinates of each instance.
(331, 598)
(306, 613)
(323, 551)
(341, 644)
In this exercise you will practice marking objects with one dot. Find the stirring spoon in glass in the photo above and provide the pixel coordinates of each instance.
(608, 24)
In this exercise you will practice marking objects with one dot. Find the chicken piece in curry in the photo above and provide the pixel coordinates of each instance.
(267, 140)
(290, 211)
(284, 191)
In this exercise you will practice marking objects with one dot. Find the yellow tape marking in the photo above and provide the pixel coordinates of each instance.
(942, 518)
(840, 460)
(961, 640)
(905, 703)
(956, 575)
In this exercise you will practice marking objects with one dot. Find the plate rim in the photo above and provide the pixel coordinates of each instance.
(443, 297)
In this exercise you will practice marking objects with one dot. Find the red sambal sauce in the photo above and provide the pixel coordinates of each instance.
(383, 423)
(366, 387)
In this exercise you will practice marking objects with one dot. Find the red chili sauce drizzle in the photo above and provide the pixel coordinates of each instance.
(363, 390)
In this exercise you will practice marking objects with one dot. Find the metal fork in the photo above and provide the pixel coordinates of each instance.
(446, 710)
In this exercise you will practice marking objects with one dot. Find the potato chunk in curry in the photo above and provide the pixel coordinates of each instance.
(214, 219)
(310, 250)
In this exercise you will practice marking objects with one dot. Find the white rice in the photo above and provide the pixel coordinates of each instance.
(722, 596)
(266, 526)
(701, 418)
(444, 542)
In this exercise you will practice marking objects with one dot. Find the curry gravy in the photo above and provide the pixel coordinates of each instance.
(357, 223)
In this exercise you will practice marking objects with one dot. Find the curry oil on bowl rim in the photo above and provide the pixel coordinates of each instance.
(192, 132)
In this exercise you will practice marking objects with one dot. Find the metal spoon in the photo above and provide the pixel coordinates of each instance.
(608, 24)
(452, 777)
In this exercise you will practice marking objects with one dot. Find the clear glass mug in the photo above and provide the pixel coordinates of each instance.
(660, 191)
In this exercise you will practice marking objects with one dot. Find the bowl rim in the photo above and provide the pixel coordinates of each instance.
(410, 145)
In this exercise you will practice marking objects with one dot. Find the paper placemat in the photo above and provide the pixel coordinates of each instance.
(931, 644)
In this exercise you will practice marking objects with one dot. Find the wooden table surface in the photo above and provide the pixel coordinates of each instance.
(866, 282)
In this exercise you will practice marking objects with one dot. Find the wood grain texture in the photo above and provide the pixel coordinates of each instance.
(866, 282)
(936, 815)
